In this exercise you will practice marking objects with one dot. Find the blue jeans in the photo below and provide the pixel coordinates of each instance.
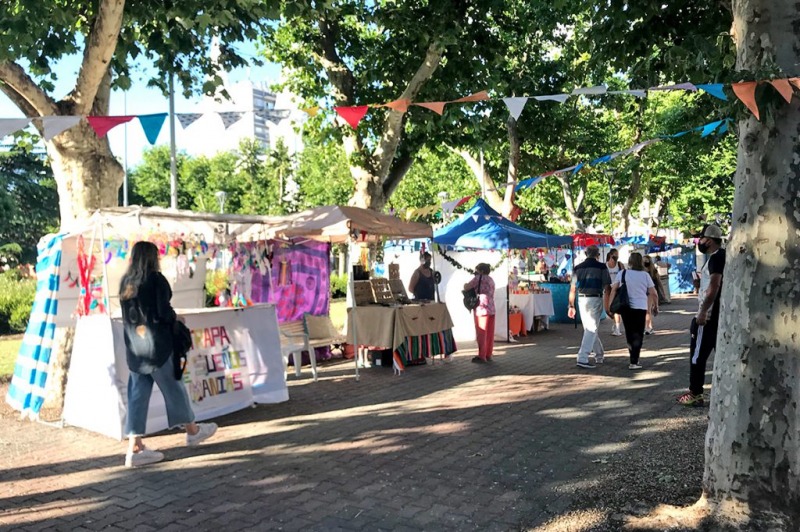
(179, 408)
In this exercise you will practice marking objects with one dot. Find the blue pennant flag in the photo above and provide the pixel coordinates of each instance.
(723, 128)
(578, 168)
(710, 128)
(151, 124)
(599, 160)
(714, 89)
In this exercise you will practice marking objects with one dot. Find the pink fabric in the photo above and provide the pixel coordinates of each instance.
(484, 334)
(485, 295)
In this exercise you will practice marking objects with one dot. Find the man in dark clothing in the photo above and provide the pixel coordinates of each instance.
(704, 325)
(592, 282)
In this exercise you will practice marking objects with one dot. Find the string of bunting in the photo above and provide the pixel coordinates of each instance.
(460, 266)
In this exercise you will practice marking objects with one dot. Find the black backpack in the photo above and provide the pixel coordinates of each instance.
(181, 344)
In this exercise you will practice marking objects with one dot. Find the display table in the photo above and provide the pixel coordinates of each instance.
(560, 295)
(413, 332)
(533, 305)
(235, 361)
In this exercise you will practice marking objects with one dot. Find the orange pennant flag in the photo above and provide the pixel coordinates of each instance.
(746, 91)
(477, 97)
(436, 107)
(401, 105)
(352, 115)
(311, 111)
(784, 87)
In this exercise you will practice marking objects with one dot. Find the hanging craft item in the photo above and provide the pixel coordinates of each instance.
(285, 273)
(459, 266)
(85, 266)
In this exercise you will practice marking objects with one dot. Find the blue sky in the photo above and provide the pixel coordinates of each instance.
(139, 100)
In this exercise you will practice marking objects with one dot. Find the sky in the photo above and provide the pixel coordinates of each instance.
(139, 100)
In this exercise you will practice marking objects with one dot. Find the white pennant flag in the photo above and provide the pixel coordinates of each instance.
(475, 217)
(10, 125)
(230, 117)
(633, 92)
(515, 106)
(53, 125)
(591, 91)
(560, 98)
(187, 119)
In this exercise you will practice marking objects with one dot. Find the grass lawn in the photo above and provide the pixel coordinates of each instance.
(9, 347)
(338, 312)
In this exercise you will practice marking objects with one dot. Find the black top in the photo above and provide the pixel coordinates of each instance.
(716, 264)
(148, 319)
(591, 277)
(425, 287)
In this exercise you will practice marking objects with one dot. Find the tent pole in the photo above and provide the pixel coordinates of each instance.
(105, 268)
(572, 275)
(508, 302)
(435, 284)
(351, 287)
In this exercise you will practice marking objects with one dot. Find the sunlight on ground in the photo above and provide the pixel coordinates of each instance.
(579, 521)
(61, 508)
(608, 448)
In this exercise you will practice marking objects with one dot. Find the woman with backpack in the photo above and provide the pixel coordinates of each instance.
(484, 313)
(149, 324)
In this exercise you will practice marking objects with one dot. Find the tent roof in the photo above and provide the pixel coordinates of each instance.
(581, 240)
(336, 224)
(474, 230)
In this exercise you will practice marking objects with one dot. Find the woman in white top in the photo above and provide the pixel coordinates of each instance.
(614, 267)
(641, 297)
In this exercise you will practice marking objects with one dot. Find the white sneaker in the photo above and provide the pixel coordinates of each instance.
(634, 366)
(206, 430)
(648, 331)
(616, 332)
(143, 457)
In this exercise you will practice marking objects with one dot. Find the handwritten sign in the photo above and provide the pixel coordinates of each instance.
(216, 366)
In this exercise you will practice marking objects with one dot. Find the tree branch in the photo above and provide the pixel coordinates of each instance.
(396, 173)
(384, 153)
(485, 181)
(24, 92)
(513, 163)
(100, 45)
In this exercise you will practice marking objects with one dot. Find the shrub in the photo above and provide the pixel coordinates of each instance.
(16, 300)
(338, 286)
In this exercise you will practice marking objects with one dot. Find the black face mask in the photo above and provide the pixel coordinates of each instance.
(647, 264)
(703, 247)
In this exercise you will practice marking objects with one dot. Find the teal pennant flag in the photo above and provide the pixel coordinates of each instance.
(151, 124)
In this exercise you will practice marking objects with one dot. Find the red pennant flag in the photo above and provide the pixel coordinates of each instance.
(104, 124)
(784, 87)
(352, 115)
(477, 97)
(436, 107)
(462, 201)
(746, 91)
(401, 105)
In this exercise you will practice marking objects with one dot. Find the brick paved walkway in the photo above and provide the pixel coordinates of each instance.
(456, 446)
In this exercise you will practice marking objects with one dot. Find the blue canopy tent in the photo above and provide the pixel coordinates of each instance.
(482, 227)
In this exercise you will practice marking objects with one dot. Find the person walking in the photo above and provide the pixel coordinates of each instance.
(652, 270)
(705, 323)
(641, 299)
(149, 323)
(590, 282)
(423, 281)
(614, 267)
(484, 313)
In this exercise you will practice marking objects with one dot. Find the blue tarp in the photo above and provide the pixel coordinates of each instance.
(481, 227)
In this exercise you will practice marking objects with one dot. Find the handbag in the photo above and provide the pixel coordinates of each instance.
(620, 303)
(471, 299)
(181, 344)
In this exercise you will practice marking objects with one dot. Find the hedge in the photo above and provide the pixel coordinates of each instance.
(16, 301)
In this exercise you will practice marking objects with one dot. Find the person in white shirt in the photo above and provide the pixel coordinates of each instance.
(641, 297)
(614, 267)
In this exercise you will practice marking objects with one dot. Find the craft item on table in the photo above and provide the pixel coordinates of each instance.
(86, 264)
(382, 292)
(398, 290)
(362, 293)
(513, 279)
(394, 271)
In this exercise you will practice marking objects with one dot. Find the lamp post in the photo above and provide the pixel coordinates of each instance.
(610, 173)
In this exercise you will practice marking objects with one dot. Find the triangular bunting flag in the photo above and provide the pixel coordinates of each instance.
(714, 89)
(577, 168)
(450, 206)
(723, 128)
(10, 125)
(564, 170)
(600, 160)
(784, 87)
(53, 125)
(679, 86)
(560, 98)
(187, 119)
(311, 111)
(352, 115)
(795, 82)
(590, 91)
(273, 115)
(477, 97)
(709, 128)
(401, 105)
(151, 124)
(638, 93)
(436, 107)
(230, 117)
(475, 217)
(104, 124)
(746, 91)
(515, 106)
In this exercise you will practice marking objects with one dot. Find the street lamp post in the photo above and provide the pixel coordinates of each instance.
(610, 173)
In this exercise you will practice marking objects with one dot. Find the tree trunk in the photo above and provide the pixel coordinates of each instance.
(753, 439)
(368, 191)
(86, 172)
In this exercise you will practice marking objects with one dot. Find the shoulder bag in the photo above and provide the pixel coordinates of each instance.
(620, 303)
(471, 299)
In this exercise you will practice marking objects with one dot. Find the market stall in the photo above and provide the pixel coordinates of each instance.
(236, 350)
(391, 320)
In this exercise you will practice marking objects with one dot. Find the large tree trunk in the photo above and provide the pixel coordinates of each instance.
(87, 174)
(753, 439)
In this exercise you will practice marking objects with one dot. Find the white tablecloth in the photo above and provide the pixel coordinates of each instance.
(533, 305)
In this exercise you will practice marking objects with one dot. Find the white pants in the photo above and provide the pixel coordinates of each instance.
(591, 309)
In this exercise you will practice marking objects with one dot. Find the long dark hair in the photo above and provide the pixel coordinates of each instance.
(144, 261)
